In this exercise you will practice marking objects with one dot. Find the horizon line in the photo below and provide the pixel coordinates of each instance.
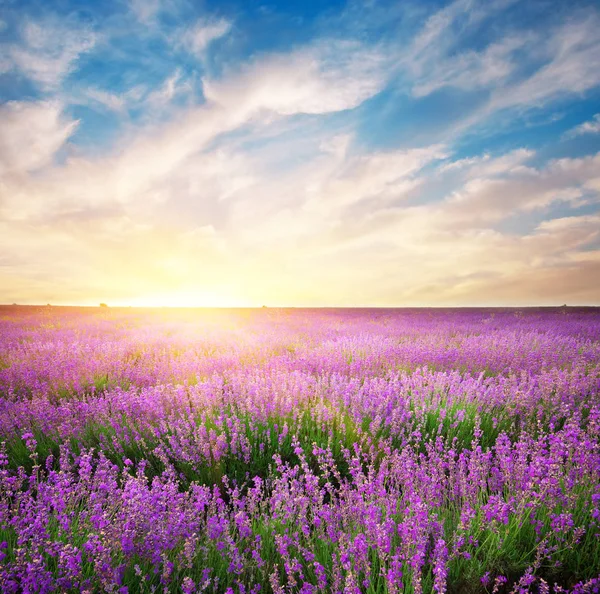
(103, 306)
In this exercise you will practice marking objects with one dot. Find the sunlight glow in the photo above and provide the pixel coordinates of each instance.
(199, 298)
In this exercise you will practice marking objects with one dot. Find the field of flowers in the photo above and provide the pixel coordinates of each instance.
(299, 451)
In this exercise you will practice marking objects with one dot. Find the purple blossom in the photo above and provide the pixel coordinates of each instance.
(320, 451)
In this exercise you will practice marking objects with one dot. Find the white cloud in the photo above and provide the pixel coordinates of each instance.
(573, 66)
(325, 78)
(590, 127)
(520, 69)
(48, 51)
(485, 165)
(450, 248)
(574, 223)
(462, 164)
(485, 199)
(471, 70)
(30, 135)
(128, 177)
(309, 202)
(434, 57)
(204, 32)
(437, 30)
(110, 101)
(174, 85)
(380, 176)
(146, 11)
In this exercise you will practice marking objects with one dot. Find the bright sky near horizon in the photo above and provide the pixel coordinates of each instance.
(385, 153)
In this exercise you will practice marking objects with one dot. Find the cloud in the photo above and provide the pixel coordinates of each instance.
(415, 260)
(328, 77)
(137, 97)
(31, 133)
(471, 70)
(579, 229)
(448, 251)
(146, 11)
(437, 31)
(436, 59)
(319, 80)
(486, 198)
(48, 51)
(377, 177)
(573, 66)
(486, 165)
(242, 233)
(204, 32)
(174, 85)
(131, 176)
(518, 69)
(111, 101)
(305, 205)
(590, 127)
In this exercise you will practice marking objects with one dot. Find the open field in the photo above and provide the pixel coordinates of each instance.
(299, 451)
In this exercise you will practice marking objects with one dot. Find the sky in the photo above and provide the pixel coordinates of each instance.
(300, 153)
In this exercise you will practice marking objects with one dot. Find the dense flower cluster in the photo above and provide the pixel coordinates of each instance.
(299, 451)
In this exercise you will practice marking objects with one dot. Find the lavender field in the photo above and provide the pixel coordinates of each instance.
(299, 451)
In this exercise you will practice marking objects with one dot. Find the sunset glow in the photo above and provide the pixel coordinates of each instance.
(339, 154)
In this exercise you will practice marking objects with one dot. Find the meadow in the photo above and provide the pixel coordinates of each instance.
(299, 451)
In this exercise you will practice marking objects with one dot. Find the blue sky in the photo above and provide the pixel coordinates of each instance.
(169, 152)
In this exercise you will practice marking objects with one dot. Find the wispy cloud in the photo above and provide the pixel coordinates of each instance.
(518, 69)
(110, 101)
(31, 133)
(485, 165)
(486, 198)
(326, 77)
(590, 127)
(198, 37)
(436, 59)
(173, 86)
(573, 66)
(472, 70)
(48, 51)
(147, 11)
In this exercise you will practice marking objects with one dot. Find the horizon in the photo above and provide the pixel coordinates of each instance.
(168, 153)
(105, 306)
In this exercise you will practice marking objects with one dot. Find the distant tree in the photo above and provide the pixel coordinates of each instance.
(103, 305)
